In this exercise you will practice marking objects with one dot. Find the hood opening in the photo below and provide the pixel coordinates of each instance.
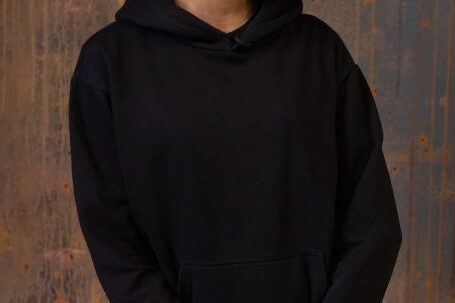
(163, 15)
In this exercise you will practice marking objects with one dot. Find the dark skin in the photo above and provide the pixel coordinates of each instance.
(226, 15)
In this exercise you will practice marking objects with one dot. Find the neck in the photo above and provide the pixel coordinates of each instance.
(225, 15)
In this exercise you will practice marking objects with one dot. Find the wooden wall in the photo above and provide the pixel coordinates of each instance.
(405, 48)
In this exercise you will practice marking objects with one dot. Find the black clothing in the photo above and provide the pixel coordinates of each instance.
(229, 168)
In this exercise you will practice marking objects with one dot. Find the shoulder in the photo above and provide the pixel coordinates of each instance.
(104, 36)
(316, 24)
(94, 54)
(103, 40)
(320, 37)
(320, 31)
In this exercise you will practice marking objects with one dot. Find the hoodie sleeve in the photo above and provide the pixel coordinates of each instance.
(124, 262)
(368, 234)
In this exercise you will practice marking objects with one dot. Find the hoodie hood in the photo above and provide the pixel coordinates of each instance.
(165, 16)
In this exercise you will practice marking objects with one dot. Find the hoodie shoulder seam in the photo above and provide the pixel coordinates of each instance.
(345, 76)
(88, 83)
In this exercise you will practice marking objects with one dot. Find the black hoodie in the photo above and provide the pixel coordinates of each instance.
(241, 167)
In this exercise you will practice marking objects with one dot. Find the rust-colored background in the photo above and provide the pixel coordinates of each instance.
(405, 48)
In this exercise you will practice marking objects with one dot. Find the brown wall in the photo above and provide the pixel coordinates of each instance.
(405, 48)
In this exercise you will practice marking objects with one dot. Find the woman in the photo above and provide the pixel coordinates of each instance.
(236, 160)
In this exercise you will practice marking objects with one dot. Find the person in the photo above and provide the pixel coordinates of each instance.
(229, 152)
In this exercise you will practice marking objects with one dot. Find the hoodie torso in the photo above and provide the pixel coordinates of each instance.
(224, 147)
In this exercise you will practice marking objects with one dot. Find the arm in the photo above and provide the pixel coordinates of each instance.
(368, 235)
(124, 262)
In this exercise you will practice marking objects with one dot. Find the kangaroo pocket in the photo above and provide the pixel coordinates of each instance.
(290, 277)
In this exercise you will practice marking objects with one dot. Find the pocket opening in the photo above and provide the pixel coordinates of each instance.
(292, 276)
(257, 259)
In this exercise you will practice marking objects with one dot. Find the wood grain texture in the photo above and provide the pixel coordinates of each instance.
(405, 49)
